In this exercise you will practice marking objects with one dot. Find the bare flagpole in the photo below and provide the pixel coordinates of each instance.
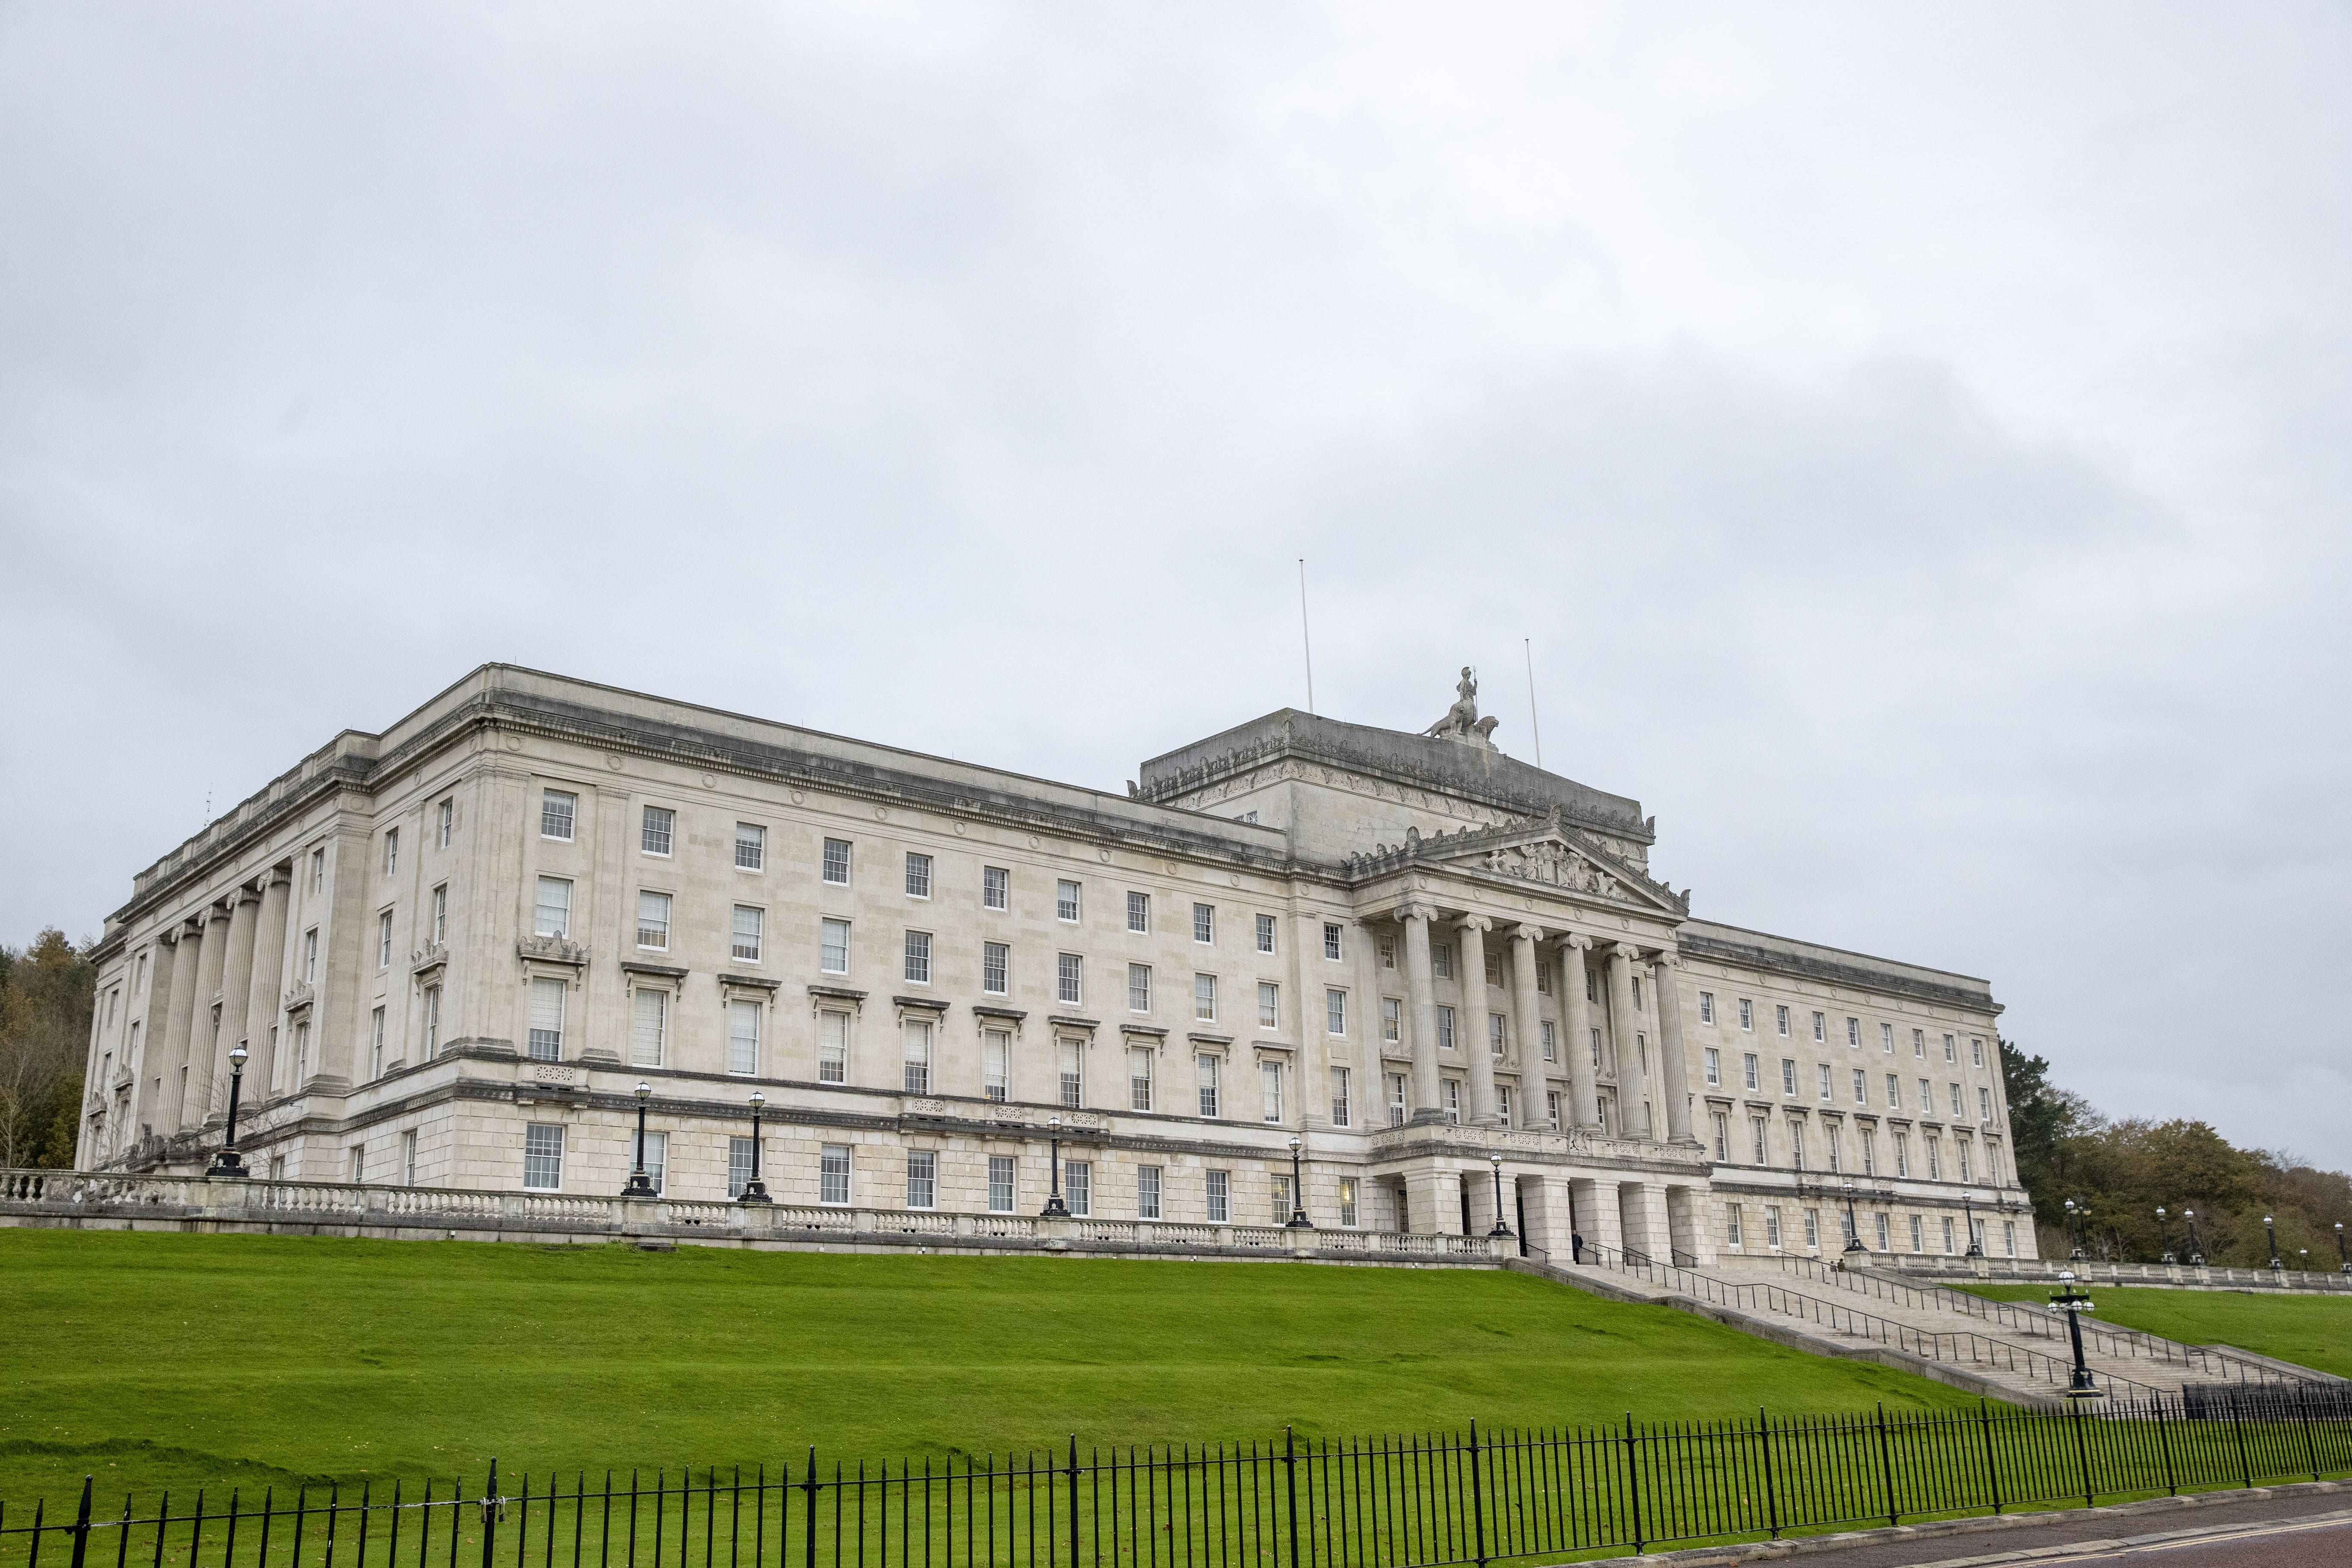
(1528, 646)
(1305, 641)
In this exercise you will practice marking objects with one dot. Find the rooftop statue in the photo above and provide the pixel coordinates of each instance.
(1461, 722)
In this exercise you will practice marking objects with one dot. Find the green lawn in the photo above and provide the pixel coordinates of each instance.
(2311, 1331)
(166, 1360)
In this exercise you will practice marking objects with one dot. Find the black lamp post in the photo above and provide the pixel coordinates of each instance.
(1298, 1220)
(2196, 1256)
(1054, 1207)
(2164, 1237)
(225, 1162)
(640, 1185)
(2074, 1303)
(1968, 1218)
(1500, 1228)
(1853, 1226)
(2273, 1231)
(755, 1191)
(2075, 1216)
(2343, 1262)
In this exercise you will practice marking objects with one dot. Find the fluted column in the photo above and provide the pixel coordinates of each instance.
(1423, 987)
(1624, 1027)
(236, 983)
(1585, 1095)
(198, 1098)
(1674, 1073)
(1474, 929)
(1371, 1089)
(269, 973)
(167, 1017)
(1525, 953)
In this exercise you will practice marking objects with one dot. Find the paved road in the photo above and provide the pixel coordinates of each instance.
(2283, 1544)
(2307, 1530)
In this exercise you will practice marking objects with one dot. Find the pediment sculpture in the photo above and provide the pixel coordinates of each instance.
(1462, 723)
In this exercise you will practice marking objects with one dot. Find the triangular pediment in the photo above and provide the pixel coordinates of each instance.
(1546, 853)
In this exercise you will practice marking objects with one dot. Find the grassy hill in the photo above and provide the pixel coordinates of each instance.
(2310, 1331)
(166, 1360)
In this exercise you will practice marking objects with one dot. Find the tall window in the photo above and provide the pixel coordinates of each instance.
(1926, 1097)
(1441, 959)
(1078, 1186)
(1453, 1098)
(1340, 1114)
(832, 947)
(918, 958)
(1000, 1184)
(1893, 1092)
(445, 823)
(1984, 1105)
(1869, 1153)
(546, 1020)
(554, 912)
(743, 1037)
(375, 1044)
(391, 851)
(319, 871)
(833, 1174)
(384, 940)
(1903, 1154)
(1731, 1224)
(1820, 1028)
(649, 1028)
(652, 920)
(1854, 1033)
(1139, 911)
(1265, 935)
(1886, 1038)
(1204, 922)
(1138, 988)
(408, 1158)
(750, 927)
(836, 861)
(441, 913)
(1332, 941)
(542, 1158)
(833, 1047)
(1494, 1038)
(995, 888)
(660, 828)
(918, 876)
(1069, 972)
(1205, 998)
(1334, 1011)
(995, 968)
(1796, 1145)
(432, 1001)
(1218, 1190)
(1551, 1109)
(1147, 1192)
(996, 1064)
(1706, 1006)
(1138, 1077)
(922, 1179)
(1205, 1068)
(1919, 1044)
(739, 1167)
(1886, 1241)
(1073, 1064)
(1445, 1029)
(1392, 1019)
(1269, 1001)
(1789, 1078)
(558, 809)
(1780, 1020)
(917, 1033)
(1756, 1139)
(1956, 1113)
(1280, 1208)
(1396, 1099)
(1976, 1052)
(1824, 1073)
(1722, 1135)
(751, 847)
(1066, 901)
(1917, 1245)
(1747, 1014)
(1714, 1064)
(1951, 1050)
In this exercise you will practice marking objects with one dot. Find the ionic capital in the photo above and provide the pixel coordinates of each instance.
(1474, 922)
(1416, 912)
(1667, 958)
(1626, 950)
(1529, 933)
(1575, 941)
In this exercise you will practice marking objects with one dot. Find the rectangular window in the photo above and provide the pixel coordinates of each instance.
(432, 1000)
(1147, 1192)
(1919, 1044)
(1706, 1006)
(1984, 1105)
(558, 809)
(408, 1159)
(1976, 1052)
(1445, 1029)
(1441, 959)
(1387, 948)
(1205, 1068)
(1747, 1015)
(1331, 948)
(1756, 1133)
(1334, 1011)
(1789, 1078)
(1926, 1097)
(1903, 1154)
(319, 871)
(751, 847)
(1885, 1240)
(1066, 901)
(1266, 935)
(922, 1179)
(1495, 1036)
(375, 1044)
(918, 876)
(1595, 1048)
(1138, 1077)
(1772, 1227)
(1861, 1087)
(1340, 1116)
(1886, 1038)
(1854, 1033)
(1825, 1092)
(649, 1028)
(1780, 1021)
(444, 823)
(1138, 912)
(311, 954)
(660, 828)
(1000, 1184)
(1935, 1158)
(996, 1064)
(383, 941)
(1503, 1105)
(1543, 977)
(1279, 1210)
(1393, 1019)
(833, 1047)
(441, 913)
(652, 920)
(743, 1037)
(1754, 1085)
(918, 958)
(749, 931)
(1796, 1145)
(542, 1158)
(1204, 922)
(1812, 1228)
(739, 1167)
(1951, 1049)
(1714, 1066)
(1917, 1245)
(1722, 1136)
(1961, 1156)
(1073, 1055)
(1069, 972)
(1948, 1232)
(1219, 1193)
(1731, 1226)
(1893, 1092)
(1957, 1112)
(391, 851)
(836, 861)
(1820, 1028)
(301, 1054)
(1138, 988)
(995, 888)
(1453, 1098)
(1552, 1109)
(917, 1034)
(1550, 1042)
(1078, 1186)
(995, 968)
(1348, 1220)
(833, 1174)
(832, 947)
(2008, 1236)
(1396, 1099)
(1869, 1153)
(554, 909)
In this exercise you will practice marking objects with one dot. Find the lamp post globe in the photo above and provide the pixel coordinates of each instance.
(2074, 1253)
(2271, 1230)
(1853, 1226)
(1495, 1161)
(755, 1191)
(227, 1163)
(1054, 1207)
(1297, 1220)
(2196, 1256)
(640, 1185)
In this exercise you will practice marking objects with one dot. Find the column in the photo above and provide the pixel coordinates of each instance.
(1481, 1056)
(174, 975)
(263, 993)
(1585, 1095)
(236, 986)
(1625, 1026)
(1415, 917)
(1525, 1018)
(1648, 1212)
(198, 1060)
(1536, 1196)
(1665, 978)
(1371, 1088)
(1431, 1205)
(1478, 1187)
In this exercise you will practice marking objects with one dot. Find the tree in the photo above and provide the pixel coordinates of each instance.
(48, 995)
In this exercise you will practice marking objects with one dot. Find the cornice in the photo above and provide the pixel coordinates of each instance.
(1803, 966)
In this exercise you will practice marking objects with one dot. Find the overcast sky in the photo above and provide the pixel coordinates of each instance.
(1913, 440)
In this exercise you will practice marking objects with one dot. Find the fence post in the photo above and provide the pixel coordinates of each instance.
(2302, 1409)
(1992, 1468)
(808, 1495)
(1072, 1473)
(1771, 1499)
(2164, 1442)
(1477, 1498)
(1887, 1465)
(1633, 1481)
(2238, 1428)
(82, 1523)
(2082, 1450)
(1290, 1484)
(490, 1511)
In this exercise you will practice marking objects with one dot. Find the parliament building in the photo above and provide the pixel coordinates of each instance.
(473, 950)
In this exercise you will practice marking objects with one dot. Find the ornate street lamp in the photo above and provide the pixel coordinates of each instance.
(1054, 1207)
(755, 1191)
(1968, 1218)
(225, 1162)
(640, 1185)
(2273, 1231)
(1298, 1220)
(2075, 1215)
(2343, 1262)
(1500, 1228)
(2196, 1256)
(2163, 1236)
(2074, 1303)
(1853, 1226)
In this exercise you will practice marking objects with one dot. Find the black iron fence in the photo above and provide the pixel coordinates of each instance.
(1388, 1503)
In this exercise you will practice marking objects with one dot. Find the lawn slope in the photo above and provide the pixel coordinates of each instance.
(165, 1359)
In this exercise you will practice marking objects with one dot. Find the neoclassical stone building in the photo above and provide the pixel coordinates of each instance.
(454, 950)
